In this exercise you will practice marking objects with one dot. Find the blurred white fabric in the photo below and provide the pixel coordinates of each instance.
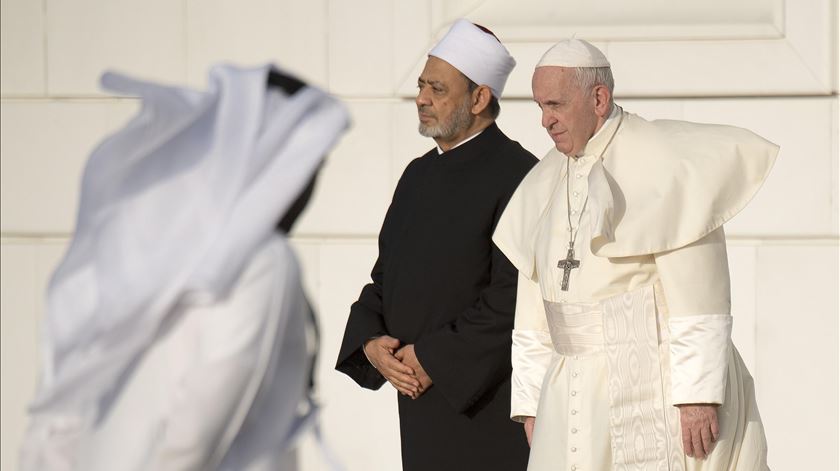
(173, 208)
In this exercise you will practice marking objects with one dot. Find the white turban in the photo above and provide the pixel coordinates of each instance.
(573, 53)
(477, 54)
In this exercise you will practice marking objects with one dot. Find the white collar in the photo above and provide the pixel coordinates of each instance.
(616, 110)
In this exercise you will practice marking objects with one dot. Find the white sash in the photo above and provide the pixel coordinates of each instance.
(631, 330)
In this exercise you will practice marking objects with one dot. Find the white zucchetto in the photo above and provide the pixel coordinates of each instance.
(573, 53)
(477, 54)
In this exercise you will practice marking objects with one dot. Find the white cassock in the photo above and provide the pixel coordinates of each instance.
(645, 323)
(176, 329)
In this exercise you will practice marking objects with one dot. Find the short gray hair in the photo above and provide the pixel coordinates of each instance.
(589, 77)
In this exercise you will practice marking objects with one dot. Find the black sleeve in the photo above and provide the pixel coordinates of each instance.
(365, 321)
(367, 315)
(469, 357)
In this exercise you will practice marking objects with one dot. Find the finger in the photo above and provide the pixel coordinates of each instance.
(686, 439)
(393, 366)
(402, 377)
(388, 342)
(403, 390)
(421, 390)
(404, 385)
(706, 437)
(529, 432)
(697, 444)
(715, 428)
(405, 381)
(406, 393)
(391, 363)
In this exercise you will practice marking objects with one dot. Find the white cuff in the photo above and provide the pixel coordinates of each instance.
(530, 355)
(700, 348)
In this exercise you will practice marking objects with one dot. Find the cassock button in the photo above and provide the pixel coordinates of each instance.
(574, 393)
(574, 430)
(574, 412)
(578, 175)
(575, 374)
(574, 468)
(576, 193)
(574, 211)
(574, 449)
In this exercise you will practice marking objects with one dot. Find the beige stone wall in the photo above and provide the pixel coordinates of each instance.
(768, 65)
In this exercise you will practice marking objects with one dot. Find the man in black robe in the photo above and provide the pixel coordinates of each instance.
(436, 320)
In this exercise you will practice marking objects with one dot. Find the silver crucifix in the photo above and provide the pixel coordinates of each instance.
(567, 265)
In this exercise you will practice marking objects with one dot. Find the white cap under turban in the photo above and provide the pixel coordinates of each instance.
(477, 54)
(573, 53)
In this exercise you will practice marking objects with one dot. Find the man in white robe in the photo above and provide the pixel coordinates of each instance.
(176, 331)
(622, 358)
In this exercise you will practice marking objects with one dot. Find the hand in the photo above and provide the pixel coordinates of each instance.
(409, 358)
(380, 353)
(529, 428)
(699, 429)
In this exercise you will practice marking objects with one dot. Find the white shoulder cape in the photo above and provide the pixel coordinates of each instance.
(661, 185)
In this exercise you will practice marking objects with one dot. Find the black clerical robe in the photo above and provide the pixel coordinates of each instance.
(441, 284)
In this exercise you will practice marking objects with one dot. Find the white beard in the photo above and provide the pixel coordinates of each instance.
(460, 119)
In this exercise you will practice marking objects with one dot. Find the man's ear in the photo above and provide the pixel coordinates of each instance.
(602, 96)
(480, 99)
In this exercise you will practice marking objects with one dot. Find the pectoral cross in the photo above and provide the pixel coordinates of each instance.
(567, 265)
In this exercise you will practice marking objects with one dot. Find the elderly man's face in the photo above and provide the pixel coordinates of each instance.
(568, 113)
(443, 101)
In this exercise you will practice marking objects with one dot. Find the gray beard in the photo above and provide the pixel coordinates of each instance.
(460, 119)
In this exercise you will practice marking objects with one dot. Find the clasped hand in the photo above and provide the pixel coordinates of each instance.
(399, 365)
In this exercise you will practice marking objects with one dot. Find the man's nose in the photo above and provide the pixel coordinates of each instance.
(422, 97)
(548, 119)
